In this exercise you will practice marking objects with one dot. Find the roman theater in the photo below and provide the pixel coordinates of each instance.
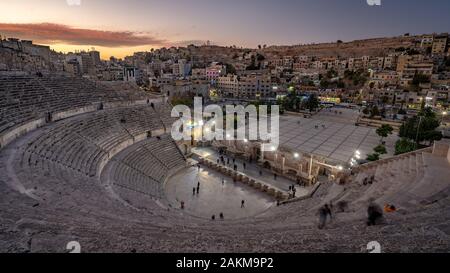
(82, 161)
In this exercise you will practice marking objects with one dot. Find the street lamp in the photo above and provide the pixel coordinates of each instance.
(418, 128)
(443, 116)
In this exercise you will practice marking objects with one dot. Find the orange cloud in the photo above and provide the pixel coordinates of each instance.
(48, 33)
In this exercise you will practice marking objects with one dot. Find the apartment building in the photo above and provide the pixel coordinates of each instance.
(214, 71)
(427, 41)
(383, 78)
(440, 44)
(228, 85)
(246, 87)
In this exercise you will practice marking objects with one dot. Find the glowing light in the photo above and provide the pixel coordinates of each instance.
(273, 148)
(296, 155)
(444, 113)
(340, 168)
(245, 140)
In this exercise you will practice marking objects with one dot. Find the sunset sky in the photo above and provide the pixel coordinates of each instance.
(121, 27)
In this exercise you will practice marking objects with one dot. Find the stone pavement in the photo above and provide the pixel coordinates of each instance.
(252, 170)
(214, 198)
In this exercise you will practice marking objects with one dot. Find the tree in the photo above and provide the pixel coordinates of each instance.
(384, 131)
(373, 157)
(341, 84)
(404, 145)
(419, 79)
(312, 103)
(421, 127)
(374, 112)
(324, 84)
(380, 149)
(260, 57)
(230, 69)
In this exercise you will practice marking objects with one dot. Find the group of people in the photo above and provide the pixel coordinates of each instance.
(221, 216)
(374, 213)
(197, 189)
(369, 180)
(227, 162)
(323, 126)
(292, 190)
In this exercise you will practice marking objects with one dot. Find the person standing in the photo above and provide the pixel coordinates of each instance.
(324, 212)
(374, 214)
(243, 204)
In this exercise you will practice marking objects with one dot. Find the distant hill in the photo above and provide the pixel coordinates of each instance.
(357, 48)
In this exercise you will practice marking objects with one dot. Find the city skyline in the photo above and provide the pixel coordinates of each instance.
(108, 26)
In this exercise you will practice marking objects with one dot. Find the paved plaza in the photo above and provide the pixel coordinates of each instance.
(332, 135)
(215, 198)
(252, 170)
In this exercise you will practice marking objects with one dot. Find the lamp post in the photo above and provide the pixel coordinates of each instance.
(418, 128)
(445, 113)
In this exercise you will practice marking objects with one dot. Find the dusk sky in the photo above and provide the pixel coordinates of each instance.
(121, 27)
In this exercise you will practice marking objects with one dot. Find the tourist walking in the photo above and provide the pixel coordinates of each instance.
(374, 214)
(324, 212)
(243, 204)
